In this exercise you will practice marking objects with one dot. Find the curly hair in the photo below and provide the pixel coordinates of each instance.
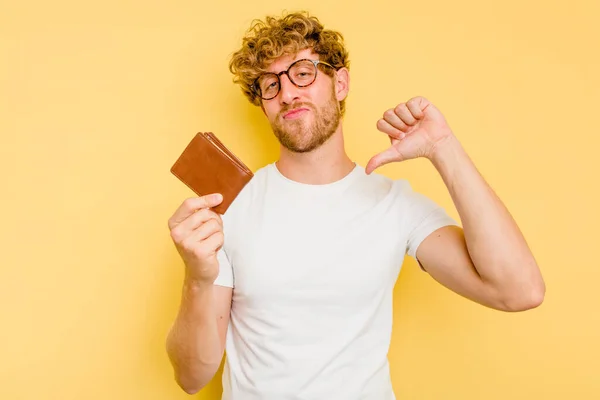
(268, 40)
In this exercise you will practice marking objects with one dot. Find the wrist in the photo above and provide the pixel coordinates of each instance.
(196, 296)
(444, 152)
(193, 284)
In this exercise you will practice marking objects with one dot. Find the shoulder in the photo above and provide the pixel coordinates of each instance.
(254, 186)
(401, 197)
(244, 199)
(397, 188)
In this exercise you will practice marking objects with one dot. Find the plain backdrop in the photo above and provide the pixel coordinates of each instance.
(98, 99)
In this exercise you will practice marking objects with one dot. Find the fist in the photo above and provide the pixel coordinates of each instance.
(415, 128)
(197, 232)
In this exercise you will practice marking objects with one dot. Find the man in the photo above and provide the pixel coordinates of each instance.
(295, 281)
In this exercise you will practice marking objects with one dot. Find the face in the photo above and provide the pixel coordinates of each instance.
(304, 118)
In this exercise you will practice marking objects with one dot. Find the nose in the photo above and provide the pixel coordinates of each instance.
(288, 91)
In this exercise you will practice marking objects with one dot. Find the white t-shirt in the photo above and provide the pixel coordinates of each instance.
(313, 269)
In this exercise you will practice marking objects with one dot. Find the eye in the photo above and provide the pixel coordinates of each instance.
(304, 73)
(268, 83)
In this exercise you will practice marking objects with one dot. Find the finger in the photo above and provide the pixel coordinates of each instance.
(215, 241)
(382, 158)
(210, 244)
(405, 115)
(186, 228)
(193, 204)
(385, 127)
(414, 106)
(198, 218)
(391, 118)
(203, 232)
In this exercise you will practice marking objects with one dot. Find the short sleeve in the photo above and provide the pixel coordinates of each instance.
(225, 277)
(424, 217)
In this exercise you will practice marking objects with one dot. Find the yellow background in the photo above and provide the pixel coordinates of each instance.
(98, 99)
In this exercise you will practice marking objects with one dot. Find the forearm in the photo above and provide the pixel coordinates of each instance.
(495, 243)
(193, 344)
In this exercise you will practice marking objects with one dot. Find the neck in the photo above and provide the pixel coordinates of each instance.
(327, 164)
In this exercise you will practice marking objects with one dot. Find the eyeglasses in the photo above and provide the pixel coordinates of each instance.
(302, 73)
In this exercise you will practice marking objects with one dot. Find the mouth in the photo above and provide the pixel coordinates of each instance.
(295, 113)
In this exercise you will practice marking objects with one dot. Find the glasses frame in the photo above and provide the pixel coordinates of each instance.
(257, 90)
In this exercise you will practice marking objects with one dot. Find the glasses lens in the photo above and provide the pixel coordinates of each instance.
(303, 73)
(268, 85)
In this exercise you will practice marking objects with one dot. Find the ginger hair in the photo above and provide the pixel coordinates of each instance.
(274, 37)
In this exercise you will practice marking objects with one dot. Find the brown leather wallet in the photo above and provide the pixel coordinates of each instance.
(206, 166)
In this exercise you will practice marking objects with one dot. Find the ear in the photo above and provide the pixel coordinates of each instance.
(342, 83)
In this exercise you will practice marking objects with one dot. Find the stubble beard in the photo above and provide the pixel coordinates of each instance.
(300, 136)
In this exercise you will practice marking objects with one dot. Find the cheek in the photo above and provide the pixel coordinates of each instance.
(322, 95)
(270, 112)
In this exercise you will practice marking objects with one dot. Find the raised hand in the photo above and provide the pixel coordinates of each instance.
(197, 232)
(415, 128)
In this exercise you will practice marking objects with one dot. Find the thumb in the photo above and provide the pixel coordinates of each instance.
(382, 158)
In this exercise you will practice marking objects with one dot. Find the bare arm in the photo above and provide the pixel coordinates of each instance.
(490, 261)
(196, 342)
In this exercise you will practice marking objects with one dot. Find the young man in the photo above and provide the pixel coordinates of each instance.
(295, 281)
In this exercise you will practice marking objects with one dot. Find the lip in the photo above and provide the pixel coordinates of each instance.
(296, 112)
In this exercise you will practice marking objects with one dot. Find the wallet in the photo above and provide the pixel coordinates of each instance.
(206, 166)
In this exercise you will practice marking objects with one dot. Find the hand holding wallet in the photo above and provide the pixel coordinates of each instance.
(206, 166)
